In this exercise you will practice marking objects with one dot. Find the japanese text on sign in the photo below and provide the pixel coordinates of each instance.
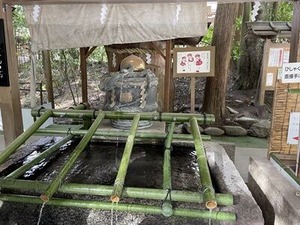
(293, 131)
(291, 73)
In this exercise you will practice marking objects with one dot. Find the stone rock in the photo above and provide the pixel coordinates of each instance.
(246, 122)
(260, 129)
(186, 128)
(178, 129)
(213, 131)
(235, 130)
(232, 111)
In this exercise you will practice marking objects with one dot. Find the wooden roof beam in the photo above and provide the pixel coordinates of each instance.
(42, 2)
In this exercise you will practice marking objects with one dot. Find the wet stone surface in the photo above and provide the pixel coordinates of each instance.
(99, 165)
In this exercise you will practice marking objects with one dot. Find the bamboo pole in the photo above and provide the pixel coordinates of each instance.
(21, 170)
(120, 179)
(11, 148)
(119, 133)
(105, 190)
(153, 116)
(208, 190)
(167, 209)
(53, 186)
(147, 209)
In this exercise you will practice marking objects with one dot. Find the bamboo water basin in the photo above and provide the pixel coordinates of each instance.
(120, 179)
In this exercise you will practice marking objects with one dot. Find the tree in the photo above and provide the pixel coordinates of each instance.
(251, 47)
(215, 88)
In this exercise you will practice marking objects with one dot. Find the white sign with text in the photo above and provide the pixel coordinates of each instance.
(291, 73)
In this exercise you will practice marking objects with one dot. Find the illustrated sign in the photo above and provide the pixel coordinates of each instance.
(194, 62)
(293, 132)
(291, 73)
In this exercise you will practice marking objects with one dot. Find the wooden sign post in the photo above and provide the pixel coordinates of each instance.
(194, 62)
(275, 54)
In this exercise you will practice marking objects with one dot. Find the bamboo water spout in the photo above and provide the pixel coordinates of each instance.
(208, 190)
(120, 179)
(52, 188)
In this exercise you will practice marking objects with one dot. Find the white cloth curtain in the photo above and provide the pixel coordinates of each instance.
(83, 25)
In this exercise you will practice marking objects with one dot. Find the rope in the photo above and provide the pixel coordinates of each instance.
(39, 111)
(69, 131)
(94, 113)
(119, 182)
(168, 196)
(207, 188)
(204, 116)
(130, 50)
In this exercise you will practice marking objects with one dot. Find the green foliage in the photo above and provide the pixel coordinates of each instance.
(19, 24)
(285, 11)
(98, 55)
(207, 39)
(235, 52)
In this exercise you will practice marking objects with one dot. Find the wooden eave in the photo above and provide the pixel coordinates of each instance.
(266, 29)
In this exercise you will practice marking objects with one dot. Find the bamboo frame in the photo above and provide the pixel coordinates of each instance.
(53, 186)
(21, 170)
(120, 179)
(208, 190)
(147, 209)
(153, 116)
(105, 190)
(115, 192)
(12, 147)
(120, 133)
(167, 209)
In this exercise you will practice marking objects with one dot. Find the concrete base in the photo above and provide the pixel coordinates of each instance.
(228, 180)
(275, 195)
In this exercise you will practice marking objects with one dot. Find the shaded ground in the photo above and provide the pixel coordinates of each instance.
(241, 101)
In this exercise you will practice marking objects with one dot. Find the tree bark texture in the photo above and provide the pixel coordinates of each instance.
(251, 51)
(215, 88)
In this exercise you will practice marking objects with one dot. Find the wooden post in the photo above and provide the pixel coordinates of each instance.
(193, 94)
(32, 81)
(263, 72)
(10, 96)
(83, 52)
(295, 56)
(48, 76)
(294, 49)
(168, 78)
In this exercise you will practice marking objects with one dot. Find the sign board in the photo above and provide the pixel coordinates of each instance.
(4, 78)
(274, 56)
(293, 131)
(194, 62)
(291, 73)
(278, 54)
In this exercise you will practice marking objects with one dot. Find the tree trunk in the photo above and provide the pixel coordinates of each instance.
(215, 88)
(251, 54)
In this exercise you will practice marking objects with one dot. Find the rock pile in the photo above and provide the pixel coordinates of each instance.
(238, 127)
